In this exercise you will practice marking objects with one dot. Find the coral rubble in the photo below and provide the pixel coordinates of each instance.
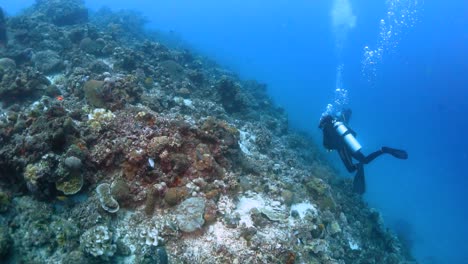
(115, 148)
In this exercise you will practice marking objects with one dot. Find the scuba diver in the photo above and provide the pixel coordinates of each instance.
(338, 136)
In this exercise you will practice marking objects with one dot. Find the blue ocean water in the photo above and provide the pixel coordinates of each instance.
(412, 96)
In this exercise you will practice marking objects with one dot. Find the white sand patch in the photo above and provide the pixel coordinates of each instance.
(273, 210)
(188, 103)
(53, 79)
(303, 208)
(245, 205)
(108, 62)
(219, 234)
(353, 245)
(245, 142)
(202, 249)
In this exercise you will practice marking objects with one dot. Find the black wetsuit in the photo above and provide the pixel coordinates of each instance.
(332, 140)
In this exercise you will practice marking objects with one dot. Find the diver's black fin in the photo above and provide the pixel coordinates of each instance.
(397, 153)
(359, 183)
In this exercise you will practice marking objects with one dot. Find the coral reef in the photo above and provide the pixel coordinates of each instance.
(115, 148)
(62, 13)
(190, 214)
(108, 202)
(47, 61)
(98, 242)
(5, 241)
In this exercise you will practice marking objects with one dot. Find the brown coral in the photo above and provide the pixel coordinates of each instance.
(176, 194)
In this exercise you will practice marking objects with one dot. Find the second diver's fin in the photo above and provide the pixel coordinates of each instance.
(397, 153)
(359, 182)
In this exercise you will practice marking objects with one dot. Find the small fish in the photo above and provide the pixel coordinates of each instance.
(151, 162)
(62, 198)
(59, 98)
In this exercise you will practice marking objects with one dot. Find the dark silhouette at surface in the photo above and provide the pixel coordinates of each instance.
(338, 136)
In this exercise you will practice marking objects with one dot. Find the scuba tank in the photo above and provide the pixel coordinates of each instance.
(348, 137)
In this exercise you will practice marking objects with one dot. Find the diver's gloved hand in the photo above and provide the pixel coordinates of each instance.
(397, 153)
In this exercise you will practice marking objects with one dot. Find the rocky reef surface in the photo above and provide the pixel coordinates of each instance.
(115, 148)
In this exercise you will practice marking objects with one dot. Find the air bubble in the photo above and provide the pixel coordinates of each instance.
(401, 14)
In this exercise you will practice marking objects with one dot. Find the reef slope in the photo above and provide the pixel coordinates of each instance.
(115, 148)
